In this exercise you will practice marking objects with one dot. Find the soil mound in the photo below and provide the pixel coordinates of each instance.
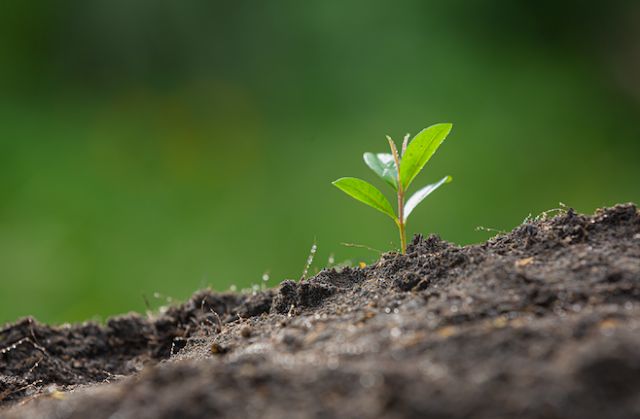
(543, 322)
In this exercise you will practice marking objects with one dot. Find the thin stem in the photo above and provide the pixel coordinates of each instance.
(400, 222)
(401, 225)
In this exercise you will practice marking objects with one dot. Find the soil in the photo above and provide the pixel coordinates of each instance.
(542, 322)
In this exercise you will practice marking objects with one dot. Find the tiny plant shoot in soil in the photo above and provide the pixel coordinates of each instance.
(398, 169)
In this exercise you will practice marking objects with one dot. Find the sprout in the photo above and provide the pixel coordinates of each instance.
(398, 170)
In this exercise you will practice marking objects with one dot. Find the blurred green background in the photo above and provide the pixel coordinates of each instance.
(161, 146)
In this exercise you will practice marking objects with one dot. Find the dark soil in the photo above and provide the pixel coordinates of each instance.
(543, 322)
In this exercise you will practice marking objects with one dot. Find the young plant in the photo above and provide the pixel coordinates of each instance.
(399, 169)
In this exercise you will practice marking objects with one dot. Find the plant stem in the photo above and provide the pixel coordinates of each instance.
(400, 221)
(401, 226)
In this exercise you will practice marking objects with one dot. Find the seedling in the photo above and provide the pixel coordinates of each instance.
(399, 169)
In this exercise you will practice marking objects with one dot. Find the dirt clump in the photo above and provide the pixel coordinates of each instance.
(542, 322)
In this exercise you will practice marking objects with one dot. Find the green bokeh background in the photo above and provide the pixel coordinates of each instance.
(160, 146)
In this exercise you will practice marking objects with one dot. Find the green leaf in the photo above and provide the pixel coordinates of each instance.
(367, 193)
(384, 166)
(417, 197)
(420, 150)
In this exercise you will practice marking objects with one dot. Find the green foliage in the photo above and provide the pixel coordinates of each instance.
(399, 170)
(367, 193)
(417, 197)
(384, 166)
(420, 150)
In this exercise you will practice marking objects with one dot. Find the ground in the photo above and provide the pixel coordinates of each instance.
(542, 322)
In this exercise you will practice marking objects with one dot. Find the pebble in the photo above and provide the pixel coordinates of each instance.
(217, 349)
(245, 332)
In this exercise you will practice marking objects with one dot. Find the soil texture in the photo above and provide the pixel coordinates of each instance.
(542, 322)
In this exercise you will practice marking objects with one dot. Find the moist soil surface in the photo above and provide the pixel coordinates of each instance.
(542, 322)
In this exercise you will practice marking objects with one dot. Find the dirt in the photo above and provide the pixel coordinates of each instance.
(542, 322)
